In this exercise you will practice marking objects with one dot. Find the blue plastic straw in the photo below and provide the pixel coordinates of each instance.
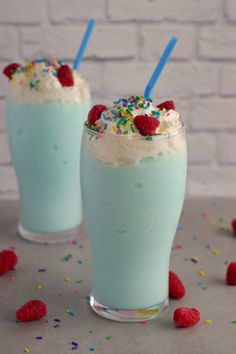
(84, 44)
(160, 66)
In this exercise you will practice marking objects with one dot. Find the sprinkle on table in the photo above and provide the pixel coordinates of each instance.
(81, 261)
(109, 337)
(66, 258)
(41, 270)
(67, 279)
(194, 259)
(26, 350)
(93, 349)
(216, 252)
(201, 273)
(39, 287)
(208, 321)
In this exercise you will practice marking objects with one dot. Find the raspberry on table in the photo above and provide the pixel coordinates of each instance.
(231, 274)
(186, 317)
(176, 287)
(233, 224)
(32, 310)
(8, 260)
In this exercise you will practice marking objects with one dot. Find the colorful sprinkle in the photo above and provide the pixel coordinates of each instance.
(67, 279)
(81, 261)
(66, 258)
(39, 287)
(216, 252)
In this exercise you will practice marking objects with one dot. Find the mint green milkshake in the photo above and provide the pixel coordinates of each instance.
(133, 176)
(46, 108)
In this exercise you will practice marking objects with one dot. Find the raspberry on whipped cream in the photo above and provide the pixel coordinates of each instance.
(46, 80)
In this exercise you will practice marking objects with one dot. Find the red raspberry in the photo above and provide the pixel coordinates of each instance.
(32, 310)
(65, 76)
(95, 113)
(186, 317)
(8, 260)
(231, 274)
(233, 223)
(167, 105)
(176, 287)
(146, 125)
(10, 69)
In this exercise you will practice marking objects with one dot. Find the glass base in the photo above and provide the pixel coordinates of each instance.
(51, 237)
(144, 314)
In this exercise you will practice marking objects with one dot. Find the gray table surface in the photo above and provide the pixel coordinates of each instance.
(198, 235)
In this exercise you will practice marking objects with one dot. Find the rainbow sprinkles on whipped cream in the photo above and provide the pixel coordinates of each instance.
(129, 119)
(46, 80)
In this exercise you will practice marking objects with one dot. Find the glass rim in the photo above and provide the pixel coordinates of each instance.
(141, 137)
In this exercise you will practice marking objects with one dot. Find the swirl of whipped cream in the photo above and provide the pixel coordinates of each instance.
(115, 139)
(37, 82)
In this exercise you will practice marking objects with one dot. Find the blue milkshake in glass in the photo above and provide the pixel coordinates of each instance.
(133, 176)
(46, 107)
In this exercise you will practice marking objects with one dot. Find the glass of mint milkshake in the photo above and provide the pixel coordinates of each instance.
(133, 176)
(46, 107)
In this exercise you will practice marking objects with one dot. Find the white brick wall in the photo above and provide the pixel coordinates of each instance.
(128, 39)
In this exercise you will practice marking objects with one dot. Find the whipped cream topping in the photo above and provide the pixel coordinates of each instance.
(115, 139)
(38, 82)
(119, 119)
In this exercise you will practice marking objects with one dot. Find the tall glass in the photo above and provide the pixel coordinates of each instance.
(44, 140)
(132, 212)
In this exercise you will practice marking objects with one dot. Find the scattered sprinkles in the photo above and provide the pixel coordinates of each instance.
(200, 283)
